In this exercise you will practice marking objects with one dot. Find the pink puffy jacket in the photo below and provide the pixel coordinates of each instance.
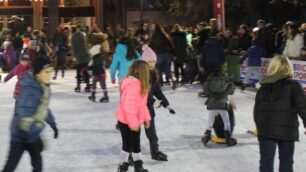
(132, 109)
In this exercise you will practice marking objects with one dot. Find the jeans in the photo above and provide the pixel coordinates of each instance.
(164, 65)
(179, 67)
(267, 153)
(152, 136)
(16, 151)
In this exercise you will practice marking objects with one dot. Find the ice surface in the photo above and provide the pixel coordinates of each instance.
(88, 140)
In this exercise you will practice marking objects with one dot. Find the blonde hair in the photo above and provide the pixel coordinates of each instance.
(141, 70)
(280, 64)
(177, 28)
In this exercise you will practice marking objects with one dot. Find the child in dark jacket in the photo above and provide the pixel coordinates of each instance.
(218, 89)
(20, 70)
(30, 116)
(98, 70)
(150, 57)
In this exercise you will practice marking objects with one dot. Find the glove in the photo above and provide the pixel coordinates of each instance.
(113, 81)
(157, 104)
(171, 110)
(55, 130)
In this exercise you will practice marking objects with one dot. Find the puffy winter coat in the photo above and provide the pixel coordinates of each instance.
(218, 88)
(79, 48)
(132, 109)
(244, 41)
(20, 71)
(277, 106)
(254, 55)
(293, 47)
(120, 62)
(180, 45)
(31, 111)
(213, 53)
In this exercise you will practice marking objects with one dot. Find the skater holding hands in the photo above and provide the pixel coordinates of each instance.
(279, 102)
(132, 113)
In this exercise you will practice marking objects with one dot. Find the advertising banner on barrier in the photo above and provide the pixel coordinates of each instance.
(299, 70)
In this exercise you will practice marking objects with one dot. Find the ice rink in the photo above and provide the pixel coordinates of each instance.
(89, 142)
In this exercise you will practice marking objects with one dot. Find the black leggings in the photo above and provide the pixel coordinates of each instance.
(179, 67)
(130, 139)
(16, 151)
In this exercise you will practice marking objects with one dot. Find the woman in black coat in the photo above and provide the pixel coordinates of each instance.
(279, 102)
(162, 46)
(180, 47)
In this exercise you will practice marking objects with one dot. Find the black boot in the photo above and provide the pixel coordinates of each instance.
(54, 78)
(173, 85)
(138, 166)
(123, 167)
(104, 99)
(229, 140)
(92, 97)
(78, 88)
(159, 156)
(87, 88)
(206, 137)
(131, 160)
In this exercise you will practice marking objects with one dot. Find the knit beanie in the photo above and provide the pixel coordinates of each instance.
(148, 54)
(39, 64)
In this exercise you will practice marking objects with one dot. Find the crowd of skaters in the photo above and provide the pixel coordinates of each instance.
(140, 58)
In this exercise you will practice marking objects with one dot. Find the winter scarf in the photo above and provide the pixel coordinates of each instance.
(41, 114)
(274, 78)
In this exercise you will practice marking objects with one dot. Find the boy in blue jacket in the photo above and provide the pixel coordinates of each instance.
(31, 113)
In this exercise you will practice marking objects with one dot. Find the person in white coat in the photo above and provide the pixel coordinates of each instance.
(294, 43)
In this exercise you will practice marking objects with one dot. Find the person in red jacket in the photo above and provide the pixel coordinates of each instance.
(20, 70)
(133, 112)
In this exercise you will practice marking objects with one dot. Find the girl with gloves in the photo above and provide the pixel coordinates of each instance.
(150, 57)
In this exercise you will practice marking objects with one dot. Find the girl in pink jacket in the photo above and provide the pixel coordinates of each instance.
(132, 113)
(20, 70)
